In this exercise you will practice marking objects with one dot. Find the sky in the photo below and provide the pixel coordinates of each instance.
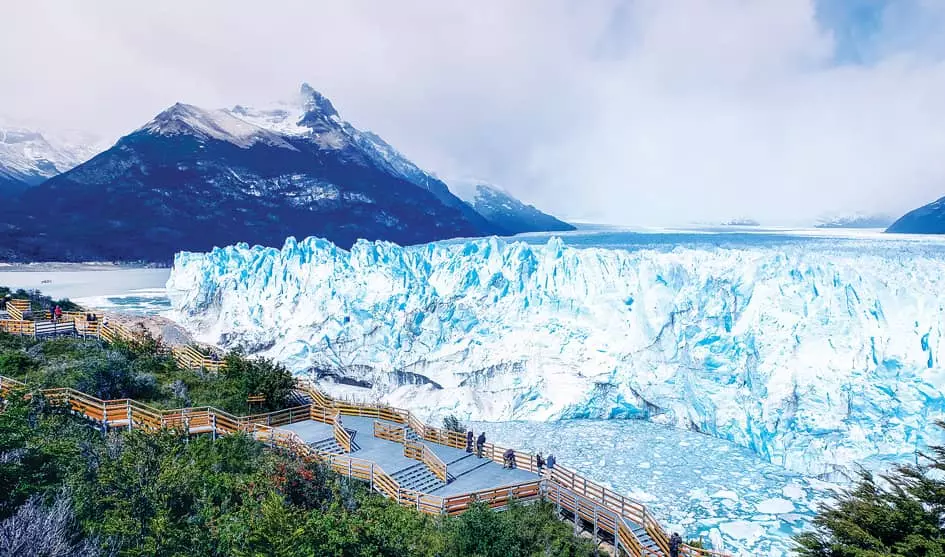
(634, 112)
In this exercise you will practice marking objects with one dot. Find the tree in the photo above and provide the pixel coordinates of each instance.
(257, 376)
(899, 514)
(452, 423)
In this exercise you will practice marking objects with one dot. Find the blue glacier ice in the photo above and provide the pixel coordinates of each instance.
(817, 355)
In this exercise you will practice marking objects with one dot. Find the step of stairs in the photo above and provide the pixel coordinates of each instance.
(328, 446)
(418, 478)
(644, 538)
(299, 398)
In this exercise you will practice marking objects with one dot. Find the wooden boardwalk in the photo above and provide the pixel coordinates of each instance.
(417, 465)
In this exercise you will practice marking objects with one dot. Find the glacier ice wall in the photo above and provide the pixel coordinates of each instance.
(815, 360)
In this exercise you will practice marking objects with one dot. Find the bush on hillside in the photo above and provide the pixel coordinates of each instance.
(899, 514)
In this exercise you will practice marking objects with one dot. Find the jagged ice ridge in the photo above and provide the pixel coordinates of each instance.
(818, 361)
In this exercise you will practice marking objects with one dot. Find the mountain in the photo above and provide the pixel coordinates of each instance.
(192, 178)
(504, 211)
(742, 221)
(28, 157)
(856, 220)
(928, 219)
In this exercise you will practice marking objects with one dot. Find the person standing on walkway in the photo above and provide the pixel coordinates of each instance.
(539, 462)
(674, 542)
(58, 314)
(550, 463)
(480, 443)
(469, 440)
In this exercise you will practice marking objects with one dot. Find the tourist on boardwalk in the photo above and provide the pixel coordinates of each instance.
(674, 542)
(550, 462)
(509, 458)
(57, 314)
(105, 321)
(469, 440)
(539, 462)
(480, 442)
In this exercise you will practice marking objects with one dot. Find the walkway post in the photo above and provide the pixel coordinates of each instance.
(104, 417)
(213, 424)
(128, 404)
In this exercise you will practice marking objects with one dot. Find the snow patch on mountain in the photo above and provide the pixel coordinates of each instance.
(212, 124)
(818, 360)
(27, 156)
(503, 210)
(854, 220)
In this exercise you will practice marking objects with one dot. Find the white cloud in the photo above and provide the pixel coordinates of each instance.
(646, 111)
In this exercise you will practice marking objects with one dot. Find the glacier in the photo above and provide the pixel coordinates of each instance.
(817, 356)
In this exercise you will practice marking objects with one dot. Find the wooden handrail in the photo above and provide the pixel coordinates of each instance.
(394, 433)
(17, 326)
(17, 307)
(419, 451)
(342, 437)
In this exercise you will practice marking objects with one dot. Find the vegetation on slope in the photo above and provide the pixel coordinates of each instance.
(899, 514)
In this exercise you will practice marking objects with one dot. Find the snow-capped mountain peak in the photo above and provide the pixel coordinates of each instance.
(315, 102)
(211, 124)
(502, 209)
(858, 219)
(28, 156)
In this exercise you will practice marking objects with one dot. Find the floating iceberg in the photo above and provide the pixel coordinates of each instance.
(815, 359)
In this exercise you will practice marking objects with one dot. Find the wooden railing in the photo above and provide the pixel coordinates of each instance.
(419, 451)
(371, 411)
(342, 437)
(394, 433)
(17, 326)
(18, 308)
(494, 497)
(191, 358)
(8, 384)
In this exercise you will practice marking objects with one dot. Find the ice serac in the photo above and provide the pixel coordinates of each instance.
(818, 361)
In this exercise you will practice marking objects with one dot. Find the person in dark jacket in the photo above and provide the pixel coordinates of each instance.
(480, 442)
(674, 542)
(550, 462)
(469, 441)
(539, 462)
(508, 458)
